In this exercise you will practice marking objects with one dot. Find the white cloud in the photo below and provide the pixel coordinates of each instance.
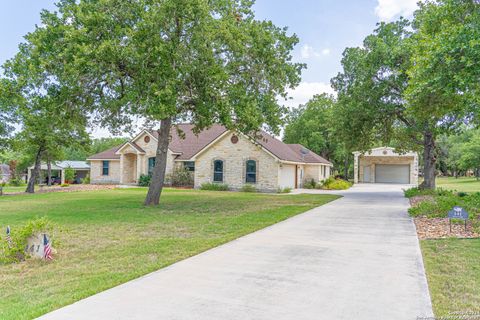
(388, 10)
(308, 52)
(305, 91)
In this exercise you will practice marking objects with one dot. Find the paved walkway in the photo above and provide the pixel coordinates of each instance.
(355, 258)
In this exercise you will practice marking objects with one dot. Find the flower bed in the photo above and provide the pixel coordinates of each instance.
(430, 211)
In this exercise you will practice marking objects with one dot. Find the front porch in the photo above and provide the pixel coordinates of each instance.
(133, 163)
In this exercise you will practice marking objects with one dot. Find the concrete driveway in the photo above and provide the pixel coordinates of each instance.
(355, 258)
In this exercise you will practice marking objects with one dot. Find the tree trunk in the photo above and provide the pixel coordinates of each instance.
(49, 172)
(429, 161)
(158, 177)
(35, 172)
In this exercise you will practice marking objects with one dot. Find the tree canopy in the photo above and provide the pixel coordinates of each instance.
(411, 82)
(170, 60)
(47, 117)
(313, 125)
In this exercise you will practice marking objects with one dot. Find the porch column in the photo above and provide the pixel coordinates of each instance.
(121, 169)
(355, 169)
(62, 176)
(139, 166)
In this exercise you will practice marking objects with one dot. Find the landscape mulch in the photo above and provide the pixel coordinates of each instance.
(437, 228)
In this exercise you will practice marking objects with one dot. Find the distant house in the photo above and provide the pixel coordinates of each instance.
(4, 173)
(81, 168)
(215, 155)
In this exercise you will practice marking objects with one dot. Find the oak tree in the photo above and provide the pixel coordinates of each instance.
(202, 61)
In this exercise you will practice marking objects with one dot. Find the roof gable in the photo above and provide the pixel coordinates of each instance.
(189, 144)
(132, 145)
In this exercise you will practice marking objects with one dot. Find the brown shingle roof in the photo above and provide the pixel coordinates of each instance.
(192, 144)
(308, 155)
(288, 152)
(107, 154)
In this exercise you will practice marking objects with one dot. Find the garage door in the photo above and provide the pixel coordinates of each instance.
(390, 173)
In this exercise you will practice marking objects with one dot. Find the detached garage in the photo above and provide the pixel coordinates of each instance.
(384, 165)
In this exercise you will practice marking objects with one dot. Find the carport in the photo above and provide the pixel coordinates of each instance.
(384, 165)
(81, 168)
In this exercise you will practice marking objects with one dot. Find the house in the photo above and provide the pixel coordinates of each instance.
(215, 155)
(4, 173)
(384, 165)
(81, 168)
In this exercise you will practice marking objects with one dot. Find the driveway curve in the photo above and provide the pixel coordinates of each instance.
(355, 258)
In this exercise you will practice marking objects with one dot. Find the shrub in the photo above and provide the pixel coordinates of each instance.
(439, 205)
(310, 184)
(284, 190)
(144, 180)
(214, 187)
(16, 182)
(64, 185)
(335, 184)
(86, 180)
(69, 174)
(16, 252)
(462, 194)
(248, 188)
(180, 177)
(413, 192)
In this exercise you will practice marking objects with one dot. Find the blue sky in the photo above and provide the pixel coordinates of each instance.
(325, 29)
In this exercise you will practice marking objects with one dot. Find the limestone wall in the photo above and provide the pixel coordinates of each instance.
(235, 156)
(96, 169)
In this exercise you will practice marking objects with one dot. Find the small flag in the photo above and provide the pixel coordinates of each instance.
(47, 250)
(9, 238)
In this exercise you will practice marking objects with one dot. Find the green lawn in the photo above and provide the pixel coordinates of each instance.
(459, 184)
(8, 189)
(453, 272)
(107, 237)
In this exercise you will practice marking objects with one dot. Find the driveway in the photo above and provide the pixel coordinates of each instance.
(354, 258)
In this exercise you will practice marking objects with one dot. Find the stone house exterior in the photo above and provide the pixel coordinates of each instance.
(384, 165)
(215, 155)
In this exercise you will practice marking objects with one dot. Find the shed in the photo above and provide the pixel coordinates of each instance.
(384, 165)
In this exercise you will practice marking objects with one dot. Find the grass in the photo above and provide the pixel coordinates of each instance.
(453, 274)
(8, 189)
(460, 184)
(107, 237)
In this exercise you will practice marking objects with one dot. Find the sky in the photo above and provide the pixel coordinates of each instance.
(325, 28)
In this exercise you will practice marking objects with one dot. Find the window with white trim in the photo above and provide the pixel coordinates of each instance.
(251, 171)
(218, 171)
